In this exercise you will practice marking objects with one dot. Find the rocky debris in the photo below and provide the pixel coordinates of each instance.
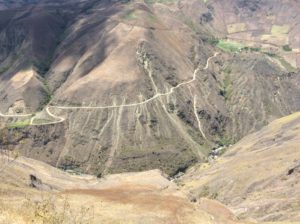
(216, 152)
(294, 170)
(37, 183)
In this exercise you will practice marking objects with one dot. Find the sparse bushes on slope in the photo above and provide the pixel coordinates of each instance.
(49, 210)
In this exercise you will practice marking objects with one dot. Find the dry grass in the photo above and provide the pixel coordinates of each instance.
(254, 172)
(125, 198)
(280, 30)
(236, 27)
(47, 209)
(275, 39)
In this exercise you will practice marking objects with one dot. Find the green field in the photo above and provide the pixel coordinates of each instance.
(130, 15)
(229, 46)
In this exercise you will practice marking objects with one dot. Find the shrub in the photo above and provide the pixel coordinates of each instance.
(286, 48)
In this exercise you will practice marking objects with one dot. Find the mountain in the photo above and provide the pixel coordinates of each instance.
(258, 177)
(8, 4)
(257, 180)
(146, 197)
(149, 111)
(115, 86)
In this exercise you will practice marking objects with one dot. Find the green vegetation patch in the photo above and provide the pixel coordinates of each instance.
(3, 69)
(252, 49)
(287, 65)
(41, 121)
(227, 89)
(229, 46)
(213, 41)
(280, 30)
(19, 124)
(130, 15)
(286, 48)
(270, 54)
(282, 61)
(225, 142)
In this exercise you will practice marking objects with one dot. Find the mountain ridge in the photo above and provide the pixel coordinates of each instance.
(113, 53)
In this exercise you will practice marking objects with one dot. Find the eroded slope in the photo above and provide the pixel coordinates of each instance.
(258, 177)
(134, 85)
(34, 192)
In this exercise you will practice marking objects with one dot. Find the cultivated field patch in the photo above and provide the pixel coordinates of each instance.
(280, 30)
(229, 45)
(275, 39)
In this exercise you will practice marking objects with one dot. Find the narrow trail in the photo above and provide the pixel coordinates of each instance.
(145, 101)
(15, 115)
(156, 96)
(197, 118)
(58, 119)
(117, 139)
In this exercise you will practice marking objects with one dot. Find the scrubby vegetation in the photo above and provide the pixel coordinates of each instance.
(130, 15)
(47, 210)
(287, 65)
(227, 87)
(270, 54)
(19, 124)
(252, 49)
(286, 48)
(3, 69)
(224, 141)
(282, 61)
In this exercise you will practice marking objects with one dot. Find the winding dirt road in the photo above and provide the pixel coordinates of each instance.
(156, 96)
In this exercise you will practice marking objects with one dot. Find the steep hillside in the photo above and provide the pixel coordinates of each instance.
(258, 177)
(272, 25)
(114, 86)
(33, 192)
(8, 4)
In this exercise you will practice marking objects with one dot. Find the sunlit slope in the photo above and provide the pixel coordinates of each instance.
(257, 177)
(31, 191)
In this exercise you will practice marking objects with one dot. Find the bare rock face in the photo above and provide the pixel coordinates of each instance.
(121, 86)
